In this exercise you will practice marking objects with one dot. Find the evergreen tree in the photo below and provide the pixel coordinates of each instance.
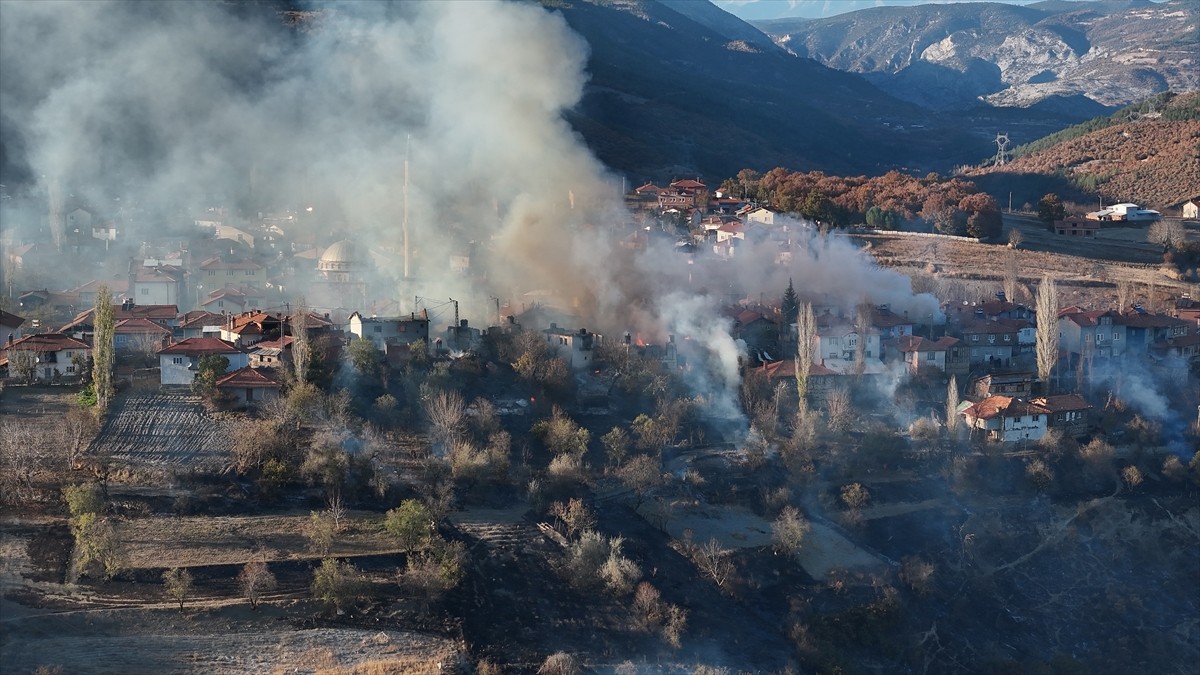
(791, 304)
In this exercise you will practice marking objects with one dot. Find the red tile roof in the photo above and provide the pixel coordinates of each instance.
(218, 264)
(139, 327)
(1061, 403)
(48, 342)
(1003, 406)
(199, 346)
(201, 318)
(249, 377)
(786, 369)
(913, 343)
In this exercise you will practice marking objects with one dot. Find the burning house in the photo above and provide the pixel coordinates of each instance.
(576, 347)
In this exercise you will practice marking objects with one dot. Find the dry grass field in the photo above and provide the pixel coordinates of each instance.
(150, 428)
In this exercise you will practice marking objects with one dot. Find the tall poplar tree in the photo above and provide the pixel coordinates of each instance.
(806, 331)
(102, 347)
(1047, 329)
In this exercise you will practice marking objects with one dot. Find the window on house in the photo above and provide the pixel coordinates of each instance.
(1006, 338)
(1099, 337)
(228, 273)
(70, 369)
(974, 338)
(145, 291)
(212, 273)
(177, 360)
(1116, 336)
(249, 273)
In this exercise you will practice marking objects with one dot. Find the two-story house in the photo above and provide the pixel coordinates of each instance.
(1066, 412)
(162, 285)
(44, 357)
(1090, 334)
(1143, 329)
(990, 343)
(219, 272)
(921, 354)
(393, 330)
(1007, 419)
(577, 347)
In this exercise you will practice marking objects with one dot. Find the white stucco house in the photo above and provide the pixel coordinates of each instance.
(1007, 419)
(48, 355)
(178, 363)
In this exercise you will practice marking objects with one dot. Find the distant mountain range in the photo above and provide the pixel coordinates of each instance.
(950, 56)
(682, 88)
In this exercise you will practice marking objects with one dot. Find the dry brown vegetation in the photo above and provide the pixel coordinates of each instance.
(1155, 163)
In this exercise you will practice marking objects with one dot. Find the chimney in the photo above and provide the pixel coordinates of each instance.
(462, 324)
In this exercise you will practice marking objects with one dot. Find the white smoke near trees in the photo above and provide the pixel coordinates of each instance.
(180, 105)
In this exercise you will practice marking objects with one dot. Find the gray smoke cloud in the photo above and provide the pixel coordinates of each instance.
(181, 105)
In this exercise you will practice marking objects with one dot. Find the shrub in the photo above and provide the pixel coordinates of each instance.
(410, 523)
(177, 584)
(338, 584)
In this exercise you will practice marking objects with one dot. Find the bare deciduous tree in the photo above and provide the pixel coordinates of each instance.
(1012, 271)
(177, 584)
(1166, 233)
(1124, 291)
(446, 413)
(840, 410)
(575, 516)
(301, 346)
(255, 579)
(1047, 329)
(788, 531)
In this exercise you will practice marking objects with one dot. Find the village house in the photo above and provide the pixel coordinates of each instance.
(821, 380)
(763, 215)
(160, 285)
(140, 335)
(218, 271)
(178, 362)
(836, 347)
(83, 325)
(1186, 348)
(59, 304)
(47, 356)
(759, 331)
(200, 323)
(248, 328)
(225, 299)
(577, 348)
(922, 354)
(272, 353)
(1015, 384)
(1068, 413)
(889, 324)
(249, 386)
(391, 330)
(117, 289)
(1143, 329)
(1187, 309)
(1092, 333)
(10, 326)
(1190, 210)
(1077, 226)
(462, 337)
(991, 343)
(1007, 419)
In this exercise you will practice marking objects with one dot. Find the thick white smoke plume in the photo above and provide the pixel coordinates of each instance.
(178, 106)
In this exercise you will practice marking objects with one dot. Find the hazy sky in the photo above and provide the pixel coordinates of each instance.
(777, 9)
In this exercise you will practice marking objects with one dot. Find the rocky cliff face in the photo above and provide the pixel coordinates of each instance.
(950, 56)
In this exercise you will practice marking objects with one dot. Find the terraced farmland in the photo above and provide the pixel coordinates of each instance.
(162, 429)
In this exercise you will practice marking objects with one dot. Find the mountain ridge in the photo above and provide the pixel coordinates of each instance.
(951, 56)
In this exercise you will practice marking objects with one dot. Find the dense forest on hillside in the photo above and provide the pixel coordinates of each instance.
(892, 201)
(1151, 158)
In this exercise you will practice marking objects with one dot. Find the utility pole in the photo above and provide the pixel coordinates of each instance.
(455, 313)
